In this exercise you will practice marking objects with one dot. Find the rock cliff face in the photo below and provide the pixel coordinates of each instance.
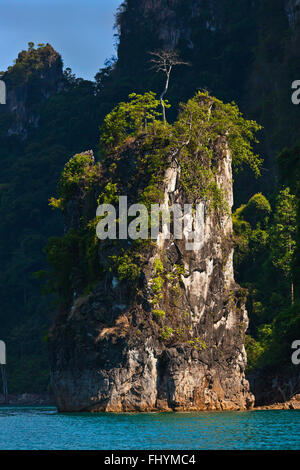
(235, 51)
(35, 77)
(174, 21)
(171, 15)
(109, 352)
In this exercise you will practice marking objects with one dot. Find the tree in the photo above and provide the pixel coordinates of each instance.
(257, 211)
(164, 61)
(128, 119)
(283, 234)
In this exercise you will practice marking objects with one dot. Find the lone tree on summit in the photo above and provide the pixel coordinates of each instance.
(164, 61)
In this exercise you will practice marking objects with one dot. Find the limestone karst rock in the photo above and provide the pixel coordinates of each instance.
(110, 351)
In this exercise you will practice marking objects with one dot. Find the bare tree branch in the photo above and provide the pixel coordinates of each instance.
(164, 61)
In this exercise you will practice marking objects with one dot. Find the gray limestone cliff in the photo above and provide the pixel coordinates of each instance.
(111, 350)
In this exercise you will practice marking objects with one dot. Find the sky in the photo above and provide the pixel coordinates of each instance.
(80, 30)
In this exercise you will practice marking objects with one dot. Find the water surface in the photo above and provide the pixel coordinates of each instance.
(35, 428)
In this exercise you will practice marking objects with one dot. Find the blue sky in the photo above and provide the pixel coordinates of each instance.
(80, 30)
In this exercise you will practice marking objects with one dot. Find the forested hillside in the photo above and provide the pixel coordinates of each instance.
(246, 51)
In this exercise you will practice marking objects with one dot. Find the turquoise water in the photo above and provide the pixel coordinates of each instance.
(34, 428)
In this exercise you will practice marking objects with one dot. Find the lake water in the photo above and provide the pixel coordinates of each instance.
(33, 428)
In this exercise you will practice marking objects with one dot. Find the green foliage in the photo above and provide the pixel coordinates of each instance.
(80, 173)
(180, 270)
(159, 313)
(205, 119)
(110, 194)
(283, 232)
(74, 261)
(250, 223)
(198, 344)
(156, 285)
(158, 266)
(152, 195)
(128, 120)
(266, 241)
(126, 267)
(257, 210)
(272, 348)
(31, 63)
(289, 176)
(166, 333)
(204, 124)
(56, 203)
(254, 352)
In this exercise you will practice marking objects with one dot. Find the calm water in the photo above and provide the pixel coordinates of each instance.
(43, 428)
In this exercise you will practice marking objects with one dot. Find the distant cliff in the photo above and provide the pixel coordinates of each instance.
(246, 51)
(36, 75)
(39, 131)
